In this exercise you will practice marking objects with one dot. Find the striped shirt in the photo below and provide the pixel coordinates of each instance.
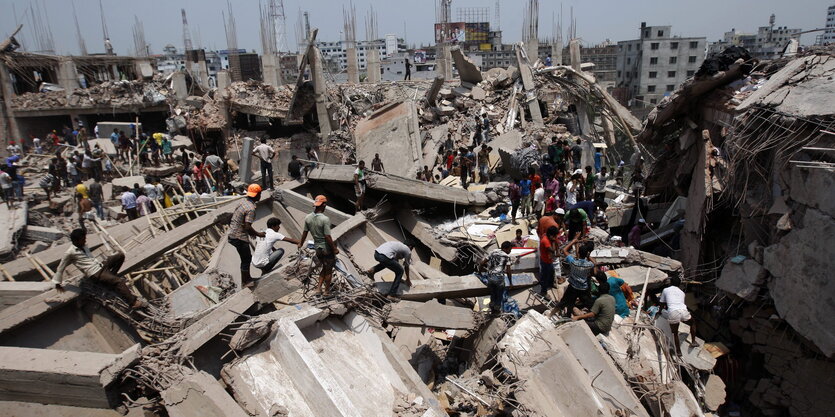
(244, 213)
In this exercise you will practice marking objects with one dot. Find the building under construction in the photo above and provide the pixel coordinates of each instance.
(723, 187)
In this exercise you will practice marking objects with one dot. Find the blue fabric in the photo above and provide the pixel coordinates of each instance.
(621, 307)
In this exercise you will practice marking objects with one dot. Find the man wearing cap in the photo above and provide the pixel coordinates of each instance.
(555, 219)
(319, 226)
(240, 229)
(388, 254)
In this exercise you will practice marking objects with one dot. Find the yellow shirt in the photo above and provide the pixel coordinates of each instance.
(82, 189)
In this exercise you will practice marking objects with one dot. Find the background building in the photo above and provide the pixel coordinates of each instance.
(336, 51)
(768, 43)
(828, 35)
(654, 65)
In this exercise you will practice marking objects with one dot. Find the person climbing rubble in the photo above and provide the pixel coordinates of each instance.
(602, 313)
(319, 227)
(675, 311)
(79, 255)
(496, 266)
(240, 229)
(388, 256)
(579, 281)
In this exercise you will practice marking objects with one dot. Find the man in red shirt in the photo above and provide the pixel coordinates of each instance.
(545, 222)
(547, 253)
(536, 180)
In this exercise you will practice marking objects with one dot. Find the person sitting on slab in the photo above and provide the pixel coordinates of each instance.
(265, 257)
(103, 272)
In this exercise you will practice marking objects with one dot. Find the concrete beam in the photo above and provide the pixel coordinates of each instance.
(12, 293)
(453, 287)
(420, 230)
(194, 336)
(400, 185)
(352, 223)
(528, 84)
(45, 234)
(432, 92)
(305, 205)
(35, 307)
(62, 377)
(200, 395)
(245, 165)
(430, 314)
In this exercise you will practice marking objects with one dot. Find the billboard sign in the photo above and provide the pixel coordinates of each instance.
(456, 32)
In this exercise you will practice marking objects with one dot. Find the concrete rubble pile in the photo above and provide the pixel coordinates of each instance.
(749, 148)
(119, 94)
(207, 345)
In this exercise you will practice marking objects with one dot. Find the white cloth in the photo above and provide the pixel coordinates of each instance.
(261, 255)
(395, 250)
(675, 316)
(264, 152)
(570, 194)
(81, 258)
(674, 297)
(150, 191)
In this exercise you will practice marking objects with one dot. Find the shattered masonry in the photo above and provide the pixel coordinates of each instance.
(736, 173)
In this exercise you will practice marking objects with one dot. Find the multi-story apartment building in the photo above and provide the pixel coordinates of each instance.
(768, 43)
(829, 34)
(337, 50)
(654, 65)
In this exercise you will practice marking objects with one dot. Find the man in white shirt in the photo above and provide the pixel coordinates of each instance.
(388, 254)
(104, 272)
(264, 257)
(265, 153)
(675, 311)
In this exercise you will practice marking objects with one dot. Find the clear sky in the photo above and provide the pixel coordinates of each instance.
(596, 20)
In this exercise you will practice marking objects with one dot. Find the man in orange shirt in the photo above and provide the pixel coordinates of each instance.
(547, 253)
(547, 221)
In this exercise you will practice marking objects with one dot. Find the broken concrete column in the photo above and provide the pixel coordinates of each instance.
(532, 50)
(556, 52)
(62, 377)
(245, 164)
(372, 66)
(432, 93)
(224, 79)
(530, 87)
(320, 91)
(582, 112)
(67, 74)
(178, 83)
(271, 70)
(443, 61)
(467, 70)
(353, 67)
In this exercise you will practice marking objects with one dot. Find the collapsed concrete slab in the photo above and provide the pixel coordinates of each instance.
(467, 70)
(193, 337)
(46, 376)
(12, 223)
(401, 185)
(393, 132)
(635, 275)
(743, 280)
(430, 314)
(588, 383)
(453, 287)
(36, 307)
(301, 369)
(200, 395)
(12, 293)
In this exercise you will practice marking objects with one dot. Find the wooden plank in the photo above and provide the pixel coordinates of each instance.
(430, 314)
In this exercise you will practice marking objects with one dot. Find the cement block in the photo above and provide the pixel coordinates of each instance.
(44, 234)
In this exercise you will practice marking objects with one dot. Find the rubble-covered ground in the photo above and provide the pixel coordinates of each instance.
(734, 170)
